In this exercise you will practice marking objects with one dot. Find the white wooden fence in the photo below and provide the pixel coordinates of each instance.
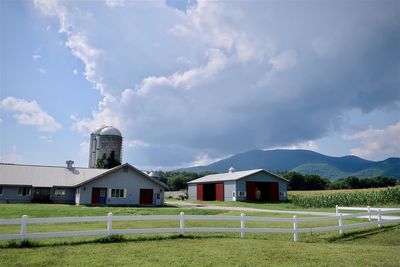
(341, 227)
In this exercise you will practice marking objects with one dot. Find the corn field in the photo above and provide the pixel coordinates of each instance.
(371, 198)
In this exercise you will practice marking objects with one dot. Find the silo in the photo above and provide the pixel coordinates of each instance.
(105, 140)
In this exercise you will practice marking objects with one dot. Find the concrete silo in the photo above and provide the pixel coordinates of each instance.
(105, 140)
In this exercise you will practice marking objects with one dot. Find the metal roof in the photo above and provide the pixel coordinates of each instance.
(109, 130)
(231, 176)
(49, 176)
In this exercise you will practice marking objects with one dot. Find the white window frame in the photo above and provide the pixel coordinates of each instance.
(59, 192)
(241, 193)
(27, 189)
(233, 193)
(118, 193)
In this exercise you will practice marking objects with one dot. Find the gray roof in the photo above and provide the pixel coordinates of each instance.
(49, 176)
(231, 176)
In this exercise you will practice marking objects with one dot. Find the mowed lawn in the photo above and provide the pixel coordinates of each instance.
(367, 246)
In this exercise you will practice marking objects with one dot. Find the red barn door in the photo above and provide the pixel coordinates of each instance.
(274, 192)
(250, 191)
(219, 192)
(199, 191)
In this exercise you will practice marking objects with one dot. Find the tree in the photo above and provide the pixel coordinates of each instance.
(296, 181)
(101, 162)
(112, 161)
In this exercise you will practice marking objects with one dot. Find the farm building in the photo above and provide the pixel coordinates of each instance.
(251, 185)
(121, 185)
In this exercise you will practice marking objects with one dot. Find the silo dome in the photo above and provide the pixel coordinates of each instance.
(109, 130)
(98, 130)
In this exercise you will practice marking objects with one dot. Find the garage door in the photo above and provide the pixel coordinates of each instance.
(219, 191)
(146, 196)
(199, 192)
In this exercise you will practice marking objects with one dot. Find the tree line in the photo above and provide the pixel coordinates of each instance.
(177, 180)
(297, 181)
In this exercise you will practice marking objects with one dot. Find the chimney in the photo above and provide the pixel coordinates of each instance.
(231, 170)
(69, 164)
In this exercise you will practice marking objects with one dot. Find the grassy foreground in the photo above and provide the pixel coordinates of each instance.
(367, 246)
(355, 250)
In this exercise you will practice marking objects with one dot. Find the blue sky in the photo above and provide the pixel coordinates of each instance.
(188, 82)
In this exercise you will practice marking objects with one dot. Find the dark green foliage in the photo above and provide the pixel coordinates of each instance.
(308, 182)
(112, 161)
(100, 164)
(371, 198)
(177, 180)
(107, 163)
(297, 181)
(353, 182)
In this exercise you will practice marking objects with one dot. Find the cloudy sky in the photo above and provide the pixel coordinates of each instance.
(188, 82)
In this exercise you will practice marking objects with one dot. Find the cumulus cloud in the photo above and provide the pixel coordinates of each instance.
(30, 113)
(251, 78)
(115, 3)
(377, 144)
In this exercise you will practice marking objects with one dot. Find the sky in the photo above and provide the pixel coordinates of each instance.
(191, 82)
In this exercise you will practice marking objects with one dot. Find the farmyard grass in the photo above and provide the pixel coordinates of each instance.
(367, 246)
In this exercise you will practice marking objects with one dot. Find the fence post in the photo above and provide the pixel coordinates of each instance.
(242, 228)
(337, 210)
(369, 213)
(340, 224)
(109, 223)
(379, 218)
(24, 219)
(295, 235)
(182, 223)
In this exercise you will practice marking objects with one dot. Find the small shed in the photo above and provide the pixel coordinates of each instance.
(250, 185)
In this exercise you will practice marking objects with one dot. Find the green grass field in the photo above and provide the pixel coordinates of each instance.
(367, 246)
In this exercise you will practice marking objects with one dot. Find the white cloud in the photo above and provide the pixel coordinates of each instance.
(227, 77)
(115, 3)
(308, 145)
(75, 72)
(30, 113)
(36, 57)
(377, 144)
(42, 71)
(13, 157)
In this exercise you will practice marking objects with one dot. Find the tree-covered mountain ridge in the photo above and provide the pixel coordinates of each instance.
(305, 162)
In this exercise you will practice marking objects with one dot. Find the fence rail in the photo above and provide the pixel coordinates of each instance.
(25, 220)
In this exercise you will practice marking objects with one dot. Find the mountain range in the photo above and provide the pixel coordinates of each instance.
(305, 162)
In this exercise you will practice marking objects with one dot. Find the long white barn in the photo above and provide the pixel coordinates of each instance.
(122, 185)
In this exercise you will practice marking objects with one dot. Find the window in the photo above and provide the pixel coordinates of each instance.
(60, 192)
(1, 190)
(233, 194)
(24, 191)
(117, 192)
(241, 194)
(158, 196)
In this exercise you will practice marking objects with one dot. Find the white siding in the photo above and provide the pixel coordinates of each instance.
(229, 187)
(192, 191)
(131, 181)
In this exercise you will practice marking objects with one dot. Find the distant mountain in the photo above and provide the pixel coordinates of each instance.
(305, 162)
